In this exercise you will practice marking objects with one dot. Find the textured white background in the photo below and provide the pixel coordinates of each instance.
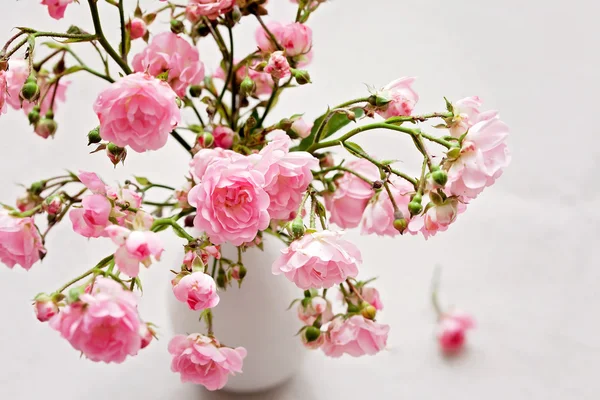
(522, 259)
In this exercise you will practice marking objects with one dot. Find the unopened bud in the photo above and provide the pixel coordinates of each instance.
(440, 177)
(251, 122)
(177, 26)
(188, 222)
(326, 161)
(239, 272)
(285, 124)
(52, 205)
(298, 229)
(94, 136)
(400, 223)
(195, 90)
(146, 334)
(59, 67)
(30, 90)
(221, 281)
(312, 334)
(45, 307)
(37, 187)
(206, 140)
(116, 154)
(46, 127)
(415, 208)
(34, 115)
(236, 14)
(369, 312)
(302, 76)
(247, 87)
(351, 115)
(379, 100)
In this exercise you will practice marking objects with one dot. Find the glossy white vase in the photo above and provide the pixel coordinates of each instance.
(255, 317)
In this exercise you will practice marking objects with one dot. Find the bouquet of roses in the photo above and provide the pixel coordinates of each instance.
(247, 177)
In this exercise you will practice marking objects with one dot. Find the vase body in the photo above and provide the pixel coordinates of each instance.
(254, 316)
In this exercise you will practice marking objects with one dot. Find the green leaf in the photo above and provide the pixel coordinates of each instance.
(142, 180)
(353, 148)
(337, 122)
(53, 45)
(440, 126)
(449, 105)
(73, 69)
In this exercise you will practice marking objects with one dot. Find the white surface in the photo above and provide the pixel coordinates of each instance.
(522, 259)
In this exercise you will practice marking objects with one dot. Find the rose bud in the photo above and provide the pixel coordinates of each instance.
(45, 308)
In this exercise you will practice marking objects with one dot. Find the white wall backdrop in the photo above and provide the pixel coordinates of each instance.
(522, 259)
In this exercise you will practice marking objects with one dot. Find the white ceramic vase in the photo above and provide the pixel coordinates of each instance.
(255, 317)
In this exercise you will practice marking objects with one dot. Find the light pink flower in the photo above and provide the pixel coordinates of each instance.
(20, 241)
(356, 336)
(205, 157)
(223, 137)
(52, 205)
(56, 8)
(371, 296)
(44, 308)
(466, 114)
(200, 359)
(212, 8)
(147, 334)
(315, 306)
(198, 290)
(17, 74)
(287, 175)
(231, 202)
(104, 324)
(278, 66)
(302, 128)
(91, 219)
(137, 28)
(3, 92)
(92, 181)
(378, 217)
(135, 247)
(452, 330)
(137, 111)
(318, 260)
(181, 195)
(402, 98)
(483, 157)
(437, 218)
(295, 38)
(170, 52)
(352, 194)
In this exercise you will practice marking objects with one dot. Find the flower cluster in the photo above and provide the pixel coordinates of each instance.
(249, 175)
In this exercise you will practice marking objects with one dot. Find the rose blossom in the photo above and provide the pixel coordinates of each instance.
(295, 38)
(231, 202)
(287, 175)
(278, 66)
(352, 194)
(223, 137)
(200, 359)
(452, 330)
(3, 92)
(356, 336)
(104, 324)
(318, 260)
(205, 157)
(168, 52)
(137, 111)
(301, 128)
(378, 217)
(371, 296)
(20, 241)
(135, 247)
(211, 8)
(92, 181)
(467, 114)
(91, 219)
(137, 28)
(483, 156)
(198, 290)
(56, 8)
(402, 98)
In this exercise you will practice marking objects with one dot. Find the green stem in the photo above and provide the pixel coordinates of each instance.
(27, 213)
(269, 33)
(181, 141)
(435, 286)
(269, 104)
(176, 227)
(12, 39)
(233, 121)
(158, 185)
(386, 185)
(98, 266)
(123, 31)
(209, 322)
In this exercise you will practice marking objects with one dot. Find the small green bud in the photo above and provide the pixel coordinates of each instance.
(302, 77)
(247, 87)
(37, 187)
(74, 293)
(285, 124)
(400, 224)
(307, 293)
(221, 280)
(415, 208)
(453, 153)
(417, 198)
(94, 136)
(177, 26)
(195, 90)
(30, 90)
(206, 140)
(440, 177)
(312, 333)
(353, 308)
(116, 154)
(34, 115)
(369, 312)
(298, 229)
(236, 14)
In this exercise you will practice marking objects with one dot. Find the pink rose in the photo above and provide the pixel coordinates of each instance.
(378, 217)
(483, 157)
(352, 194)
(170, 52)
(135, 247)
(356, 336)
(308, 313)
(223, 137)
(198, 290)
(3, 92)
(302, 128)
(467, 114)
(200, 359)
(231, 202)
(437, 218)
(91, 219)
(402, 98)
(452, 330)
(278, 66)
(318, 260)
(212, 8)
(295, 38)
(20, 241)
(104, 324)
(371, 296)
(92, 181)
(56, 8)
(137, 28)
(205, 157)
(287, 175)
(137, 111)
(44, 308)
(181, 195)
